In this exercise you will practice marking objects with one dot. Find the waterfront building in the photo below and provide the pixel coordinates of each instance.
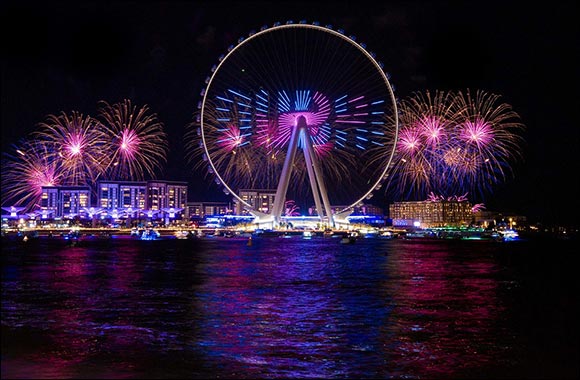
(65, 201)
(154, 195)
(122, 194)
(260, 199)
(426, 214)
(487, 218)
(364, 209)
(200, 210)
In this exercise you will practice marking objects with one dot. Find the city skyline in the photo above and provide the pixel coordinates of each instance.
(158, 53)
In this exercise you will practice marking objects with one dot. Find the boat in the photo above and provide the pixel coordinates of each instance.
(150, 234)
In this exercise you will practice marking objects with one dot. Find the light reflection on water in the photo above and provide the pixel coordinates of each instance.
(280, 308)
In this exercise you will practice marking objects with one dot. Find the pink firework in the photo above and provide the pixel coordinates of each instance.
(137, 142)
(26, 172)
(476, 132)
(489, 138)
(232, 138)
(452, 142)
(410, 141)
(77, 142)
(432, 129)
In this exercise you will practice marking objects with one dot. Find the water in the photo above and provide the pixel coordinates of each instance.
(290, 308)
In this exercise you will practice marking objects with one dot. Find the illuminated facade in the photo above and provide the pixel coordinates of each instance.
(200, 210)
(65, 201)
(365, 209)
(260, 199)
(145, 195)
(431, 214)
(113, 195)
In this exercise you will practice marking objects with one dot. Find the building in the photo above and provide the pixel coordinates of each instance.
(118, 194)
(65, 201)
(260, 199)
(166, 194)
(142, 195)
(200, 210)
(427, 214)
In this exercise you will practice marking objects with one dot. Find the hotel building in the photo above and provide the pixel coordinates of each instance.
(260, 199)
(65, 201)
(199, 210)
(146, 195)
(68, 201)
(431, 214)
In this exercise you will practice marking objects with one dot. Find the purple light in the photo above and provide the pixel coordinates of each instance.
(478, 132)
(409, 140)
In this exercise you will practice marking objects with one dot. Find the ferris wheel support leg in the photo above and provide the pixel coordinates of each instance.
(285, 177)
(309, 166)
(320, 182)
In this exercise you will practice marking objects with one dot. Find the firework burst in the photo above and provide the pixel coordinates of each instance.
(26, 171)
(137, 143)
(452, 142)
(77, 143)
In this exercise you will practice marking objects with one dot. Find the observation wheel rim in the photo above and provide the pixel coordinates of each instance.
(383, 175)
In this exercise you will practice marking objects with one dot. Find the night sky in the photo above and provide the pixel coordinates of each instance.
(65, 56)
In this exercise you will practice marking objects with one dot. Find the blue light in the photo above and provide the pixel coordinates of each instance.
(339, 143)
(377, 113)
(377, 102)
(340, 137)
(245, 113)
(264, 99)
(224, 119)
(376, 143)
(377, 122)
(339, 99)
(224, 99)
(360, 147)
(302, 100)
(342, 110)
(259, 109)
(361, 138)
(244, 105)
(341, 104)
(222, 109)
(377, 133)
(361, 130)
(240, 95)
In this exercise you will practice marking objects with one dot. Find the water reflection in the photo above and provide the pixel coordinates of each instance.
(268, 310)
(277, 309)
(448, 315)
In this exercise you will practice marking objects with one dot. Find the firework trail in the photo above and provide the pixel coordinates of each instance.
(26, 171)
(451, 142)
(137, 143)
(77, 143)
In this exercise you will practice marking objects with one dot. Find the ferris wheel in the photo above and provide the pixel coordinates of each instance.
(303, 109)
